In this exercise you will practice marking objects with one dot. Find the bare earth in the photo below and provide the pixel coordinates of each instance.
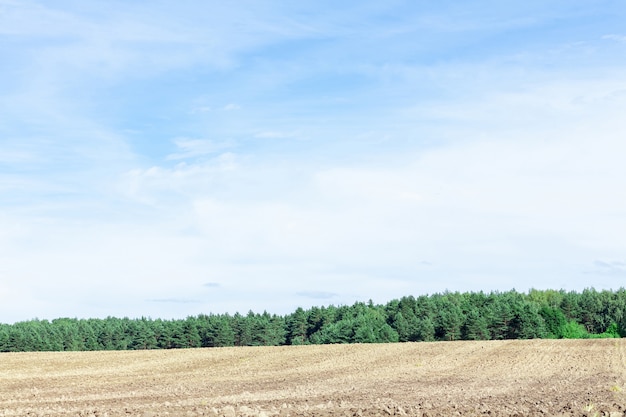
(504, 378)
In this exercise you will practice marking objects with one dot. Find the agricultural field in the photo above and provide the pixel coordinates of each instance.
(482, 378)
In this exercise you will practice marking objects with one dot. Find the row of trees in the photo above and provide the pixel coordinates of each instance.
(447, 316)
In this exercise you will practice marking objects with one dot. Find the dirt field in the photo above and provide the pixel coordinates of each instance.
(508, 378)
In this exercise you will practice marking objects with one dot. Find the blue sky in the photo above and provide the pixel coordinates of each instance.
(167, 159)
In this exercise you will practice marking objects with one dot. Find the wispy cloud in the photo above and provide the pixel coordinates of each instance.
(319, 295)
(273, 134)
(608, 267)
(613, 37)
(192, 148)
(175, 300)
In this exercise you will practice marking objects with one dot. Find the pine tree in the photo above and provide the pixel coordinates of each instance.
(401, 325)
(223, 334)
(297, 328)
(554, 320)
(475, 326)
(425, 330)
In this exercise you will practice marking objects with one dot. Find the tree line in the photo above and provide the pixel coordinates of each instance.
(437, 317)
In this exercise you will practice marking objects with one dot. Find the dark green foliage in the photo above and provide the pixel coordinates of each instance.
(570, 305)
(554, 320)
(242, 328)
(215, 331)
(424, 330)
(142, 335)
(297, 327)
(611, 332)
(267, 330)
(501, 311)
(402, 327)
(370, 326)
(528, 323)
(475, 326)
(360, 323)
(188, 335)
(447, 316)
(339, 332)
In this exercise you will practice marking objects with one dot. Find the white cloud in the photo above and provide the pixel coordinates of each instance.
(608, 268)
(275, 134)
(201, 109)
(175, 300)
(489, 209)
(508, 202)
(613, 37)
(147, 185)
(191, 148)
(317, 294)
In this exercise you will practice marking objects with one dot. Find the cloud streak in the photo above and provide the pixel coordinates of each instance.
(608, 268)
(175, 301)
(193, 148)
(318, 295)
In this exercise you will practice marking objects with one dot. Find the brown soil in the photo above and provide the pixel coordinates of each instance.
(503, 378)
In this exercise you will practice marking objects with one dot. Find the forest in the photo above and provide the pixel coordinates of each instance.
(446, 316)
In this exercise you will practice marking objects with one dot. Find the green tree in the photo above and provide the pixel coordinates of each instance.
(223, 334)
(570, 305)
(529, 324)
(370, 327)
(242, 327)
(142, 335)
(554, 320)
(4, 338)
(449, 317)
(501, 313)
(190, 337)
(401, 325)
(592, 313)
(424, 330)
(475, 326)
(297, 328)
(574, 330)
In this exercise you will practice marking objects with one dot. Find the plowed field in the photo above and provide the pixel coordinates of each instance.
(503, 378)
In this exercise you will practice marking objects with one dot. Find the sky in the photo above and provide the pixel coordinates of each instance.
(166, 159)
